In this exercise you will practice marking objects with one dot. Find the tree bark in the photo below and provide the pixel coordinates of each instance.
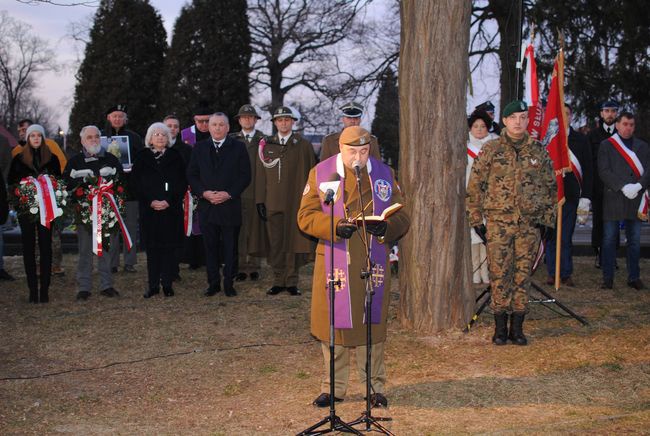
(507, 14)
(435, 264)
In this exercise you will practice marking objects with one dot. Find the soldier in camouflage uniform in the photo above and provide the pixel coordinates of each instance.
(512, 186)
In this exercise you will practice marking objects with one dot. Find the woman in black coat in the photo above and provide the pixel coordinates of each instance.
(35, 159)
(158, 177)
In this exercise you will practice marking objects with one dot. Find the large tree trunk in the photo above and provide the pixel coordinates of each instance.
(436, 290)
(507, 14)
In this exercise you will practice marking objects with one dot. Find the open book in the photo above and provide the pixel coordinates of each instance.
(377, 218)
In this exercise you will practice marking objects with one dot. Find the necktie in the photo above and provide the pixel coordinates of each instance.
(282, 141)
(217, 144)
(248, 138)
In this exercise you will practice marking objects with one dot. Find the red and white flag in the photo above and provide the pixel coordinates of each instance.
(554, 128)
(531, 91)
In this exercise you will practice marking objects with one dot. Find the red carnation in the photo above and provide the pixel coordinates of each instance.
(54, 184)
(120, 189)
(79, 192)
(17, 192)
(90, 197)
(23, 199)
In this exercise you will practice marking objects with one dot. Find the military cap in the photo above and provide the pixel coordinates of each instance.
(609, 104)
(355, 136)
(284, 111)
(515, 106)
(115, 108)
(486, 106)
(479, 115)
(247, 109)
(351, 110)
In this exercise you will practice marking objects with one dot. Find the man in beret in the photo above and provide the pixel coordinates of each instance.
(351, 114)
(247, 262)
(379, 190)
(116, 121)
(512, 186)
(488, 108)
(606, 128)
(282, 165)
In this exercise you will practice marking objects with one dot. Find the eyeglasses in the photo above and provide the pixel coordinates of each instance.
(158, 134)
(203, 121)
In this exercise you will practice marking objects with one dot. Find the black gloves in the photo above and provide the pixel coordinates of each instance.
(377, 228)
(481, 231)
(261, 211)
(345, 229)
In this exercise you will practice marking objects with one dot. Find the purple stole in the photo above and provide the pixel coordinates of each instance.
(381, 181)
(188, 135)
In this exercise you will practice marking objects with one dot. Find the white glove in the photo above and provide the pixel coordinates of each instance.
(107, 171)
(631, 190)
(78, 174)
(583, 210)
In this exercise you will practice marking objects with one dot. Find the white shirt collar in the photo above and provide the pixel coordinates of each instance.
(340, 168)
(286, 138)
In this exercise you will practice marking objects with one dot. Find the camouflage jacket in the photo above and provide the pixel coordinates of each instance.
(509, 183)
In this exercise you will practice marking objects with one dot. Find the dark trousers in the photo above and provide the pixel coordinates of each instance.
(160, 266)
(220, 247)
(28, 232)
(194, 251)
(569, 215)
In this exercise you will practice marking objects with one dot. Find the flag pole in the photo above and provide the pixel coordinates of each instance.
(558, 230)
(558, 245)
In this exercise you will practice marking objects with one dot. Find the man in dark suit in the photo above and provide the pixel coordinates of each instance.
(218, 172)
(577, 193)
(606, 128)
(624, 167)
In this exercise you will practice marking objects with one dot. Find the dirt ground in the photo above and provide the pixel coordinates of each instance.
(247, 365)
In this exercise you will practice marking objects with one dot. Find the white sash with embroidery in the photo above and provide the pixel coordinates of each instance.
(637, 167)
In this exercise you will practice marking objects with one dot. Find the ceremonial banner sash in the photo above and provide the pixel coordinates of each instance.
(576, 168)
(472, 151)
(104, 189)
(637, 167)
(188, 212)
(381, 182)
(47, 207)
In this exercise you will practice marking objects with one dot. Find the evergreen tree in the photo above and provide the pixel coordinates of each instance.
(123, 63)
(208, 59)
(386, 123)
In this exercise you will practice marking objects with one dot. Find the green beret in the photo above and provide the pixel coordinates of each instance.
(514, 106)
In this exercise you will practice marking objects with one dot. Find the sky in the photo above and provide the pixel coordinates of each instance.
(52, 23)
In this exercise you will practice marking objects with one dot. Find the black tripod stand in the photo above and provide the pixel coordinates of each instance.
(335, 422)
(366, 274)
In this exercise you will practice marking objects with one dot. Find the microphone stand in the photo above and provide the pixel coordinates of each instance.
(366, 275)
(335, 422)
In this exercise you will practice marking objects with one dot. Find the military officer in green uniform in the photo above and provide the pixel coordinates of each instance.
(380, 190)
(282, 166)
(512, 186)
(248, 262)
(351, 114)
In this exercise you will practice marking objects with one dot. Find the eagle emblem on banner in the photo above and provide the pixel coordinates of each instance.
(383, 190)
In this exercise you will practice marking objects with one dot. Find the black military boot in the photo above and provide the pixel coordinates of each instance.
(44, 295)
(500, 329)
(516, 334)
(33, 294)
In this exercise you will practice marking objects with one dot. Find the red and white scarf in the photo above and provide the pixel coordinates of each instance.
(637, 167)
(105, 189)
(47, 207)
(576, 168)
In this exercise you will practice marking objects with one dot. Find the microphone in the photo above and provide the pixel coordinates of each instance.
(357, 169)
(330, 193)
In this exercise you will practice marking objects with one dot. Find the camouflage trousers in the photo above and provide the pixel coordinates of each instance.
(511, 249)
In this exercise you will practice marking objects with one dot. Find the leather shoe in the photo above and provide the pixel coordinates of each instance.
(240, 277)
(151, 292)
(4, 275)
(636, 284)
(210, 292)
(129, 269)
(323, 400)
(568, 281)
(169, 292)
(110, 292)
(607, 284)
(275, 290)
(83, 295)
(114, 270)
(231, 292)
(378, 400)
(293, 290)
(254, 275)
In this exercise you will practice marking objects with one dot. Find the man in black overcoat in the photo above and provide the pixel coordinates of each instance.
(218, 173)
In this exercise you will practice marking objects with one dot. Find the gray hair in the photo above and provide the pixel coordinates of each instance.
(220, 114)
(157, 127)
(84, 128)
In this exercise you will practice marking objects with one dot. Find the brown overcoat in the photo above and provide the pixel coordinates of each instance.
(280, 187)
(313, 221)
(330, 146)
